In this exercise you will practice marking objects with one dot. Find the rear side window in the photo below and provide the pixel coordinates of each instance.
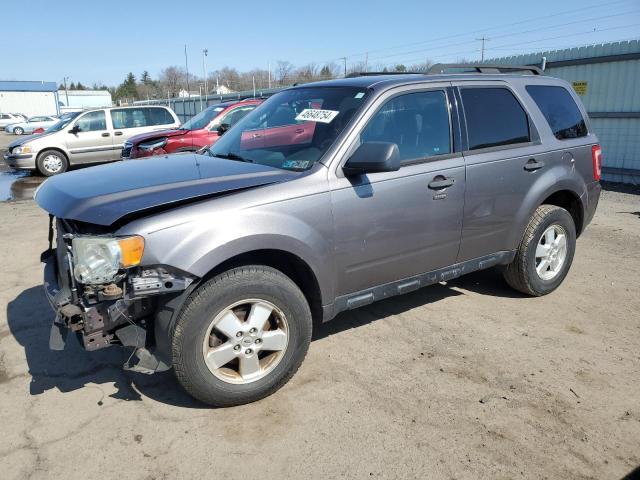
(158, 116)
(560, 110)
(494, 118)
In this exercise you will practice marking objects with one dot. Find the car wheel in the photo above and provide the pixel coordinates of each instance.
(18, 130)
(52, 162)
(545, 253)
(241, 336)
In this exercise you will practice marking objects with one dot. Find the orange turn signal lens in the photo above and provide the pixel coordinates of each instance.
(131, 251)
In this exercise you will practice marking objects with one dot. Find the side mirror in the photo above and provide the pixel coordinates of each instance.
(371, 157)
(223, 128)
(75, 129)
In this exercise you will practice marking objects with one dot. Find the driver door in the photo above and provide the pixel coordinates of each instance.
(394, 225)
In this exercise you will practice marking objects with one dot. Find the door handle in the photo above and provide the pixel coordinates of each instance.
(439, 182)
(106, 134)
(256, 135)
(300, 130)
(533, 165)
(117, 134)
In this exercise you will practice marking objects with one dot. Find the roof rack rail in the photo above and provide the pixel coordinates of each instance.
(370, 74)
(484, 68)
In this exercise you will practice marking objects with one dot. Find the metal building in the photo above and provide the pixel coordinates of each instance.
(29, 98)
(607, 78)
(83, 99)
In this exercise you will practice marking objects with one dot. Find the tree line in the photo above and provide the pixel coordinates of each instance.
(173, 80)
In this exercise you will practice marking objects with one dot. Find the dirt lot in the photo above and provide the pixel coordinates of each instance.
(466, 380)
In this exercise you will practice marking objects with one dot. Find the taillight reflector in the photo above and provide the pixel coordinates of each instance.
(596, 157)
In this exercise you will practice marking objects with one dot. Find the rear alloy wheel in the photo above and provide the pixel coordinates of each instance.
(51, 162)
(18, 130)
(241, 336)
(545, 253)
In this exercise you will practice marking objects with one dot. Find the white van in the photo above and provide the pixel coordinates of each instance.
(93, 136)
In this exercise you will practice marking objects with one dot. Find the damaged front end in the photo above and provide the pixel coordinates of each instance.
(98, 289)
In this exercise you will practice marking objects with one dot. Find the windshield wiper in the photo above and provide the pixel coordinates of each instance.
(233, 156)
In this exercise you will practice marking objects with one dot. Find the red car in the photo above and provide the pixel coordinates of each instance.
(202, 130)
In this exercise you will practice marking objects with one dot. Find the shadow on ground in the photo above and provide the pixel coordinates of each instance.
(29, 317)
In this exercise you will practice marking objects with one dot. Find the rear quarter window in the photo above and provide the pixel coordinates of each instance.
(494, 117)
(159, 116)
(560, 111)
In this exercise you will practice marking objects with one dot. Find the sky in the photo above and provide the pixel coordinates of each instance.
(45, 40)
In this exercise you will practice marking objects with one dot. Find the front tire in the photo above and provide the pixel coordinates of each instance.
(241, 336)
(52, 162)
(545, 253)
(18, 131)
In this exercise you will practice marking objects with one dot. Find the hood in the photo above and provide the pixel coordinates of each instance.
(105, 194)
(27, 139)
(156, 134)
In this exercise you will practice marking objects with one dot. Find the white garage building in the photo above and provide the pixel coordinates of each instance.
(29, 98)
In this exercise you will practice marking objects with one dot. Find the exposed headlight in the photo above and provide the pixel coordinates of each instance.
(152, 145)
(22, 149)
(98, 259)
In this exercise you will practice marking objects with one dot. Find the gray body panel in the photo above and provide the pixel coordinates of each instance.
(378, 234)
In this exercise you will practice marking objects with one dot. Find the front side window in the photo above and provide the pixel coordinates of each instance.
(417, 122)
(92, 122)
(494, 118)
(235, 115)
(560, 110)
(292, 129)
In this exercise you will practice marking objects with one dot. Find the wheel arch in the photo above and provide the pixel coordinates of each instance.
(570, 201)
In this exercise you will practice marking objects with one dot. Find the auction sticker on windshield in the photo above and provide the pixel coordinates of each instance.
(317, 115)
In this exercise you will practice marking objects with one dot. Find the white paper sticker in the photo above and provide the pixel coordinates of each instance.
(317, 115)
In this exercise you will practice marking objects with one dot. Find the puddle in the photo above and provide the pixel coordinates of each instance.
(18, 185)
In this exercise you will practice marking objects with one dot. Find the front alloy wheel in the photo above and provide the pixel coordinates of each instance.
(240, 336)
(246, 341)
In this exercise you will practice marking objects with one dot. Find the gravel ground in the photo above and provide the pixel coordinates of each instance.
(465, 380)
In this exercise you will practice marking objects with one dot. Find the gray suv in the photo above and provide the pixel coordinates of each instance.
(327, 197)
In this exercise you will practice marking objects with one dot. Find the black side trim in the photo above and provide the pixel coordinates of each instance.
(370, 295)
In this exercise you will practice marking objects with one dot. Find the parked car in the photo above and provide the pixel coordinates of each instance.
(219, 264)
(203, 129)
(10, 118)
(28, 126)
(90, 137)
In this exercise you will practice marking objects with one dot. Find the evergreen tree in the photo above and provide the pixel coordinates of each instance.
(145, 78)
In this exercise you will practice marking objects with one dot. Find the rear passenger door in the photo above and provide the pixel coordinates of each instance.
(394, 225)
(504, 157)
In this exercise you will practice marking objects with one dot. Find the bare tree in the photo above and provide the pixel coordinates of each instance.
(283, 71)
(171, 80)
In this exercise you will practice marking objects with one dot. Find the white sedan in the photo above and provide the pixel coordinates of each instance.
(31, 124)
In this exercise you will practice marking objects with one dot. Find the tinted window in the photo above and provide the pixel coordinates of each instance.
(234, 115)
(494, 118)
(560, 110)
(128, 118)
(158, 116)
(417, 122)
(92, 121)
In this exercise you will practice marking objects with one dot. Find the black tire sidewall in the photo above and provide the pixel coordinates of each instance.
(202, 309)
(15, 131)
(562, 218)
(43, 171)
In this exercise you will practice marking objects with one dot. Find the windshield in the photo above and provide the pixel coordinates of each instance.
(61, 124)
(291, 130)
(203, 119)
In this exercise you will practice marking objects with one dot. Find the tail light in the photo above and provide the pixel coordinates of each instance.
(596, 158)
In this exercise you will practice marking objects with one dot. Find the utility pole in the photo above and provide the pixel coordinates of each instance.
(482, 39)
(345, 65)
(269, 68)
(366, 61)
(186, 66)
(66, 92)
(204, 69)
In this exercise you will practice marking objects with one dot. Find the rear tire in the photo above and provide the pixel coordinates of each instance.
(52, 162)
(199, 332)
(545, 253)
